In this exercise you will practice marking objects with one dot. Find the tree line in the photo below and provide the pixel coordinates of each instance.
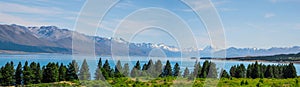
(33, 73)
(256, 70)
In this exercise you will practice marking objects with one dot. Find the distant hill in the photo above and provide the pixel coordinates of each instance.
(51, 39)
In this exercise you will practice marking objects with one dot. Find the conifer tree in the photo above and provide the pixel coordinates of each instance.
(118, 69)
(224, 74)
(106, 70)
(18, 74)
(98, 74)
(167, 70)
(84, 73)
(71, 73)
(27, 74)
(62, 72)
(50, 73)
(126, 69)
(186, 72)
(176, 70)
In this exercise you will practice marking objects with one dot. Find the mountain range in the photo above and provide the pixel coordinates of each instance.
(51, 39)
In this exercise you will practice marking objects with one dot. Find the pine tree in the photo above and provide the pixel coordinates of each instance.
(118, 70)
(240, 71)
(98, 74)
(71, 73)
(197, 70)
(39, 74)
(176, 70)
(224, 74)
(50, 73)
(186, 72)
(84, 73)
(233, 71)
(126, 69)
(256, 71)
(8, 74)
(167, 70)
(1, 76)
(205, 69)
(27, 74)
(35, 73)
(213, 73)
(18, 74)
(290, 71)
(158, 68)
(135, 72)
(269, 72)
(248, 73)
(62, 72)
(106, 70)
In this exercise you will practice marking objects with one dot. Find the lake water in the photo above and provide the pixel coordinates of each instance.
(43, 59)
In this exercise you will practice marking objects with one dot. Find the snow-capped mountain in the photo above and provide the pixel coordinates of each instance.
(51, 39)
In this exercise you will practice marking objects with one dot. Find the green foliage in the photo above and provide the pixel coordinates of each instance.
(62, 72)
(27, 74)
(18, 75)
(106, 70)
(176, 70)
(118, 70)
(84, 73)
(167, 70)
(126, 69)
(98, 73)
(71, 73)
(186, 72)
(224, 74)
(50, 73)
(36, 72)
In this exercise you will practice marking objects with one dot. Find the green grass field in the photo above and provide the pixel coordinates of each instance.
(180, 82)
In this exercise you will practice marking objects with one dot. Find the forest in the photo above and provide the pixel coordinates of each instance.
(55, 74)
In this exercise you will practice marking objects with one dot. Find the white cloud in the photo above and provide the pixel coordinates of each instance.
(269, 15)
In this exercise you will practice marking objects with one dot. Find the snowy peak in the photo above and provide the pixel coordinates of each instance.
(50, 32)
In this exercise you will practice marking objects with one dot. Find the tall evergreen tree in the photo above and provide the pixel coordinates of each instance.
(8, 74)
(205, 69)
(39, 74)
(158, 68)
(71, 73)
(233, 71)
(167, 70)
(290, 71)
(176, 70)
(256, 71)
(62, 72)
(224, 74)
(106, 70)
(36, 72)
(18, 74)
(84, 73)
(1, 76)
(27, 74)
(50, 73)
(126, 69)
(135, 70)
(186, 72)
(98, 74)
(118, 69)
(240, 71)
(212, 71)
(269, 72)
(249, 70)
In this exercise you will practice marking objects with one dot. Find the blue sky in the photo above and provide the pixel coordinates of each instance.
(259, 23)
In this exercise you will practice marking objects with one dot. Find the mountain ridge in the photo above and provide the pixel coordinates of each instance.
(51, 39)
